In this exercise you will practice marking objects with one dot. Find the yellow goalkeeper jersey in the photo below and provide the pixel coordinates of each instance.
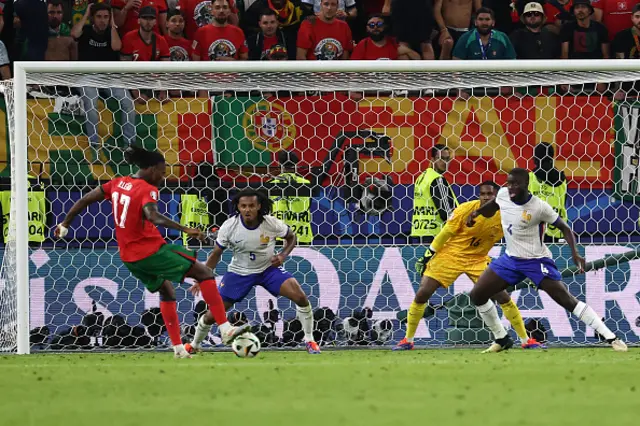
(471, 242)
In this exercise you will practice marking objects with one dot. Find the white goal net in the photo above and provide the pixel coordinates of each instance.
(358, 137)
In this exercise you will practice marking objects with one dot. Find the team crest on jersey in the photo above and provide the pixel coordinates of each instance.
(203, 13)
(328, 49)
(179, 54)
(154, 195)
(264, 239)
(269, 126)
(622, 5)
(221, 48)
(526, 216)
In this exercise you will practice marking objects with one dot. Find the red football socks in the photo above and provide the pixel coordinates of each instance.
(170, 316)
(211, 295)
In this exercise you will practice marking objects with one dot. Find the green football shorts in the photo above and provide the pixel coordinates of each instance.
(170, 263)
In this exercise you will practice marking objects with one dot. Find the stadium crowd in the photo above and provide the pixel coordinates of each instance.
(182, 30)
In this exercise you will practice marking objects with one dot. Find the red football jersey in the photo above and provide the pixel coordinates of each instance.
(131, 21)
(197, 14)
(212, 42)
(133, 45)
(179, 48)
(551, 12)
(367, 50)
(616, 14)
(325, 41)
(137, 237)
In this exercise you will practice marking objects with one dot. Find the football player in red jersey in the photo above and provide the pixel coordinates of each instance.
(145, 252)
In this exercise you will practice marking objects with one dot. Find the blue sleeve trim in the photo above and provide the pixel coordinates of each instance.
(220, 245)
(555, 223)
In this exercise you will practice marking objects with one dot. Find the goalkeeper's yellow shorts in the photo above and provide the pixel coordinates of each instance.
(446, 269)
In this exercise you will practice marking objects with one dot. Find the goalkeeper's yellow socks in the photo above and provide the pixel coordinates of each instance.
(416, 311)
(512, 313)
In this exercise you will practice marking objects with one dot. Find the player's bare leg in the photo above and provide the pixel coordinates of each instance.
(559, 293)
(170, 317)
(217, 310)
(291, 290)
(512, 313)
(488, 285)
(428, 287)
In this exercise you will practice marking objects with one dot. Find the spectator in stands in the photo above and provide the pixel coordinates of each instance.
(5, 64)
(34, 30)
(626, 45)
(532, 41)
(220, 41)
(198, 13)
(412, 24)
(558, 13)
(584, 38)
(179, 47)
(614, 14)
(96, 35)
(144, 44)
(98, 40)
(484, 42)
(347, 9)
(453, 18)
(324, 37)
(61, 46)
(270, 40)
(378, 45)
(127, 13)
(289, 15)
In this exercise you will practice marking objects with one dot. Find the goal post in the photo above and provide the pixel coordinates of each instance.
(351, 124)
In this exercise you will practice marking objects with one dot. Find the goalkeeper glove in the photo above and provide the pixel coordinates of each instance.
(421, 264)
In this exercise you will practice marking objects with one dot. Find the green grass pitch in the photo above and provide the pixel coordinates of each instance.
(423, 387)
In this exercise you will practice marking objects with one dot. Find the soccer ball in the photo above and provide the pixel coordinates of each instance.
(246, 345)
(376, 196)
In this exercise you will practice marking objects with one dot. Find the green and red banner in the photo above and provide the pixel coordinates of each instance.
(489, 136)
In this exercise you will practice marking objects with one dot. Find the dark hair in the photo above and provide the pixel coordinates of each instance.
(267, 12)
(636, 8)
(174, 12)
(520, 173)
(264, 201)
(438, 148)
(142, 158)
(486, 10)
(97, 7)
(377, 15)
(491, 184)
(55, 3)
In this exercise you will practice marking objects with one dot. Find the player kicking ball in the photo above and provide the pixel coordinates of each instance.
(251, 234)
(458, 250)
(523, 217)
(144, 251)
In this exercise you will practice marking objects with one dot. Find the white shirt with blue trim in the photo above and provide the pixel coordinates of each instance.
(252, 247)
(524, 225)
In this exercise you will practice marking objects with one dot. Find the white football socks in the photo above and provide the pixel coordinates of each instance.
(489, 314)
(305, 315)
(588, 316)
(202, 331)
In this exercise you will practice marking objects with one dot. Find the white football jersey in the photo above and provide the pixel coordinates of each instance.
(524, 225)
(252, 247)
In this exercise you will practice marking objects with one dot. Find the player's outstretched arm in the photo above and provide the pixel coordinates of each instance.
(567, 233)
(96, 194)
(214, 257)
(154, 216)
(488, 210)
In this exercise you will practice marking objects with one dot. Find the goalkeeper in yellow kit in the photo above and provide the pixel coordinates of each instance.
(458, 250)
